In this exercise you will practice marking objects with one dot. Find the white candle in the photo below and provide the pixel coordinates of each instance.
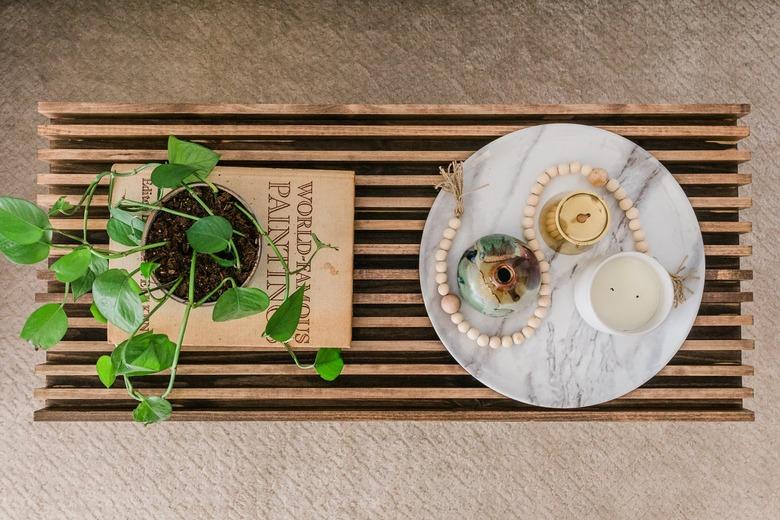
(626, 293)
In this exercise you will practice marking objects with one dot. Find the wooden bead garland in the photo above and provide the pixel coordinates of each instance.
(450, 302)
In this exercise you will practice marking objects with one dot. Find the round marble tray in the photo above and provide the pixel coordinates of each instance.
(566, 364)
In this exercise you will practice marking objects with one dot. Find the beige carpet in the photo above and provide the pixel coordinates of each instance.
(598, 51)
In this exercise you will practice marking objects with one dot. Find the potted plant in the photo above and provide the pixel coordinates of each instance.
(199, 244)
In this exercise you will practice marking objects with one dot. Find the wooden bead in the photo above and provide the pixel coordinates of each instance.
(440, 255)
(540, 312)
(533, 244)
(543, 179)
(546, 277)
(441, 267)
(473, 333)
(586, 169)
(544, 290)
(632, 213)
(529, 211)
(544, 267)
(450, 303)
(464, 327)
(533, 200)
(529, 234)
(551, 171)
(634, 224)
(638, 235)
(441, 277)
(528, 222)
(575, 167)
(539, 255)
(506, 341)
(612, 185)
(544, 301)
(457, 318)
(449, 233)
(454, 223)
(494, 342)
(483, 340)
(527, 332)
(444, 289)
(598, 177)
(534, 322)
(518, 338)
(563, 169)
(537, 189)
(626, 204)
(445, 244)
(641, 247)
(620, 194)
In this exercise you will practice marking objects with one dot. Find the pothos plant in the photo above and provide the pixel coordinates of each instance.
(27, 236)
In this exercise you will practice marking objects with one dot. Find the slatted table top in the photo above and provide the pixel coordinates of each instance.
(396, 367)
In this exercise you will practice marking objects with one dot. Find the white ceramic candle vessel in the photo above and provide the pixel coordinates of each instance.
(624, 294)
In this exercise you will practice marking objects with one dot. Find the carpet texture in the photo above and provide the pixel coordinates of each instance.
(390, 52)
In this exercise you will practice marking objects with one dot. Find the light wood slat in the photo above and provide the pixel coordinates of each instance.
(739, 179)
(726, 297)
(414, 249)
(413, 274)
(388, 346)
(391, 322)
(731, 155)
(52, 131)
(326, 393)
(99, 224)
(367, 369)
(423, 202)
(408, 414)
(53, 110)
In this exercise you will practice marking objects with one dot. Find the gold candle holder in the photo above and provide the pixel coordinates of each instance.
(571, 223)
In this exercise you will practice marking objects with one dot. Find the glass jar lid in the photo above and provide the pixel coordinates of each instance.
(582, 218)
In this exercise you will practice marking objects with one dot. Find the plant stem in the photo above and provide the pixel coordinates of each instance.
(295, 358)
(183, 327)
(157, 207)
(167, 295)
(215, 289)
(272, 245)
(195, 196)
(122, 254)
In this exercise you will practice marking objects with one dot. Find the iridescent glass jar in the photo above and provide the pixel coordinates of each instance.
(498, 275)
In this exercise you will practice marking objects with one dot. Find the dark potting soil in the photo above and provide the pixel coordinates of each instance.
(174, 258)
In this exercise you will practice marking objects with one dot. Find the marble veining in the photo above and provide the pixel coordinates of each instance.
(566, 364)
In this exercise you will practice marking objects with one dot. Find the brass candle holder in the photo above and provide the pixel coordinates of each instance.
(572, 223)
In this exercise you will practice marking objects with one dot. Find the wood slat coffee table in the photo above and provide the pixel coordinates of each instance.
(396, 368)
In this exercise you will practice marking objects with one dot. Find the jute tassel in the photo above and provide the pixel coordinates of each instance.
(453, 183)
(678, 283)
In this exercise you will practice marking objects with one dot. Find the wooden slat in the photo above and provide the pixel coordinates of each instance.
(389, 346)
(375, 393)
(731, 155)
(54, 110)
(368, 369)
(108, 131)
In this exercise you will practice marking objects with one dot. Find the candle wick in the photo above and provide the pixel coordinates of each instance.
(583, 217)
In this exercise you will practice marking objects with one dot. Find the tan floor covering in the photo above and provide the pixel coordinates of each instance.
(639, 51)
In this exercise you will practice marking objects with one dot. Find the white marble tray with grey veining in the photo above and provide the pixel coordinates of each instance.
(566, 364)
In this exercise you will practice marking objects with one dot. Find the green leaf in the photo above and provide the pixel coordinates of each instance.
(172, 175)
(61, 206)
(21, 221)
(46, 326)
(152, 410)
(282, 324)
(144, 354)
(328, 363)
(98, 265)
(239, 302)
(97, 314)
(122, 233)
(25, 254)
(116, 296)
(210, 234)
(83, 285)
(72, 266)
(191, 154)
(105, 371)
(147, 268)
